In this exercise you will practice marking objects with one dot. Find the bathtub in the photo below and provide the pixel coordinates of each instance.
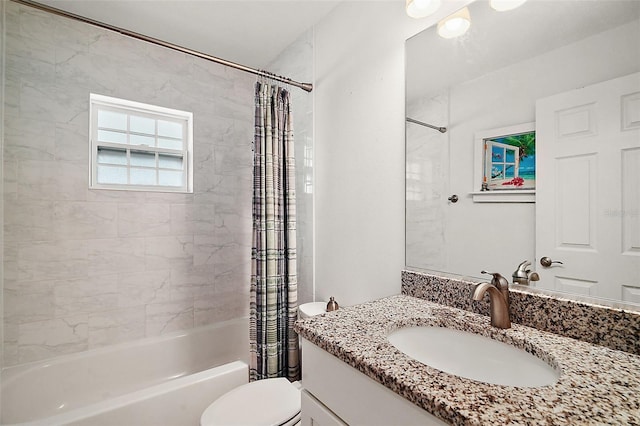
(168, 380)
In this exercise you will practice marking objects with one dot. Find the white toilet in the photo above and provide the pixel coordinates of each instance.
(275, 402)
(310, 309)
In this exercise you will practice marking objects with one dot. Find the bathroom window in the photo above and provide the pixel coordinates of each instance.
(142, 147)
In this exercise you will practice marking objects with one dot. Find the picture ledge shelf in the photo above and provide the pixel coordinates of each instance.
(505, 196)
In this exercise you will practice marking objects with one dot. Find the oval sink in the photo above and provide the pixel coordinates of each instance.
(473, 356)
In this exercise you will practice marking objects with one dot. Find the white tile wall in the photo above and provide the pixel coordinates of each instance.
(427, 184)
(296, 62)
(88, 268)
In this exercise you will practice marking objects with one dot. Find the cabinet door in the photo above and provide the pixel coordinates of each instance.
(314, 413)
(350, 394)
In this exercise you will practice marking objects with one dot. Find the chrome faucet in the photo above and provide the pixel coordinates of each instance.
(522, 276)
(498, 290)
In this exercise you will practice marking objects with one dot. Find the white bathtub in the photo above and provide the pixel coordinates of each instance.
(168, 381)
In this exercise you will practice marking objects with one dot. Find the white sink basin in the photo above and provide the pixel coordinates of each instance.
(473, 356)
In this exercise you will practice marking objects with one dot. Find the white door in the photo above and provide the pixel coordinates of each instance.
(588, 189)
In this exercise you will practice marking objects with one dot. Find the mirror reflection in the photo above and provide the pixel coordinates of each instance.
(570, 69)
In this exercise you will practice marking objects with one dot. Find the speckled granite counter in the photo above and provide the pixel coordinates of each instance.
(597, 385)
(613, 327)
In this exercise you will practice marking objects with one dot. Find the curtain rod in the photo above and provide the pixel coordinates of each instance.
(308, 87)
(440, 129)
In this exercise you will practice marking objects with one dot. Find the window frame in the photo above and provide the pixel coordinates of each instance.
(101, 102)
(490, 162)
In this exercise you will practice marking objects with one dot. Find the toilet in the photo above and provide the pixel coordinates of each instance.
(307, 310)
(275, 402)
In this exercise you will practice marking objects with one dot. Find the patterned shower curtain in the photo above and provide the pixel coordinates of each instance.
(274, 287)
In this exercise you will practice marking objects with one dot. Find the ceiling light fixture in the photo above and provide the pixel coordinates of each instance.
(502, 5)
(422, 8)
(455, 25)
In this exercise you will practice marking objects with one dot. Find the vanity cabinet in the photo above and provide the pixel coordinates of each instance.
(596, 383)
(337, 394)
(315, 413)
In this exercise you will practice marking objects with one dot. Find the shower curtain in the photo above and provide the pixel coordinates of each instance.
(274, 289)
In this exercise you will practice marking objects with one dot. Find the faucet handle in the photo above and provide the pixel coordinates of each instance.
(524, 265)
(521, 275)
(498, 280)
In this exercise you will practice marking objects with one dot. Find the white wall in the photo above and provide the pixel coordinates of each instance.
(359, 149)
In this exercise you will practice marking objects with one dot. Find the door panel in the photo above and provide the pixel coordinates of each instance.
(631, 201)
(575, 202)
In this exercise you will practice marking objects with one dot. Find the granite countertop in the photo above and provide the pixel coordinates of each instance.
(597, 385)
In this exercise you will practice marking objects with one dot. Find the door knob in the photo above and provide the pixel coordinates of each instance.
(546, 261)
(453, 198)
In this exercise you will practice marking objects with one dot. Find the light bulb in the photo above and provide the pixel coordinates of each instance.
(503, 5)
(422, 8)
(455, 25)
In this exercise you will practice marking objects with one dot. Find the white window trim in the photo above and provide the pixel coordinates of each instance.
(488, 160)
(147, 110)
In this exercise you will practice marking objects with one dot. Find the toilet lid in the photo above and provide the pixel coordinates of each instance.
(269, 402)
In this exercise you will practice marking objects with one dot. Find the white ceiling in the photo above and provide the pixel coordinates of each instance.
(249, 32)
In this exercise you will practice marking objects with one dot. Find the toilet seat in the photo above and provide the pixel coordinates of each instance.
(269, 402)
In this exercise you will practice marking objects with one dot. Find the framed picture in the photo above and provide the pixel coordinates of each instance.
(506, 160)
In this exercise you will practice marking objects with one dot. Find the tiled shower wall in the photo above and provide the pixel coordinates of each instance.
(296, 62)
(427, 177)
(89, 268)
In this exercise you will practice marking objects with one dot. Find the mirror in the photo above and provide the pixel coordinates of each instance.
(493, 77)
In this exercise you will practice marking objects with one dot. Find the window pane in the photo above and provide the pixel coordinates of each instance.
(169, 162)
(170, 129)
(511, 156)
(170, 144)
(169, 178)
(110, 174)
(142, 140)
(143, 176)
(497, 171)
(142, 125)
(509, 171)
(116, 137)
(138, 146)
(112, 120)
(112, 156)
(497, 154)
(144, 159)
